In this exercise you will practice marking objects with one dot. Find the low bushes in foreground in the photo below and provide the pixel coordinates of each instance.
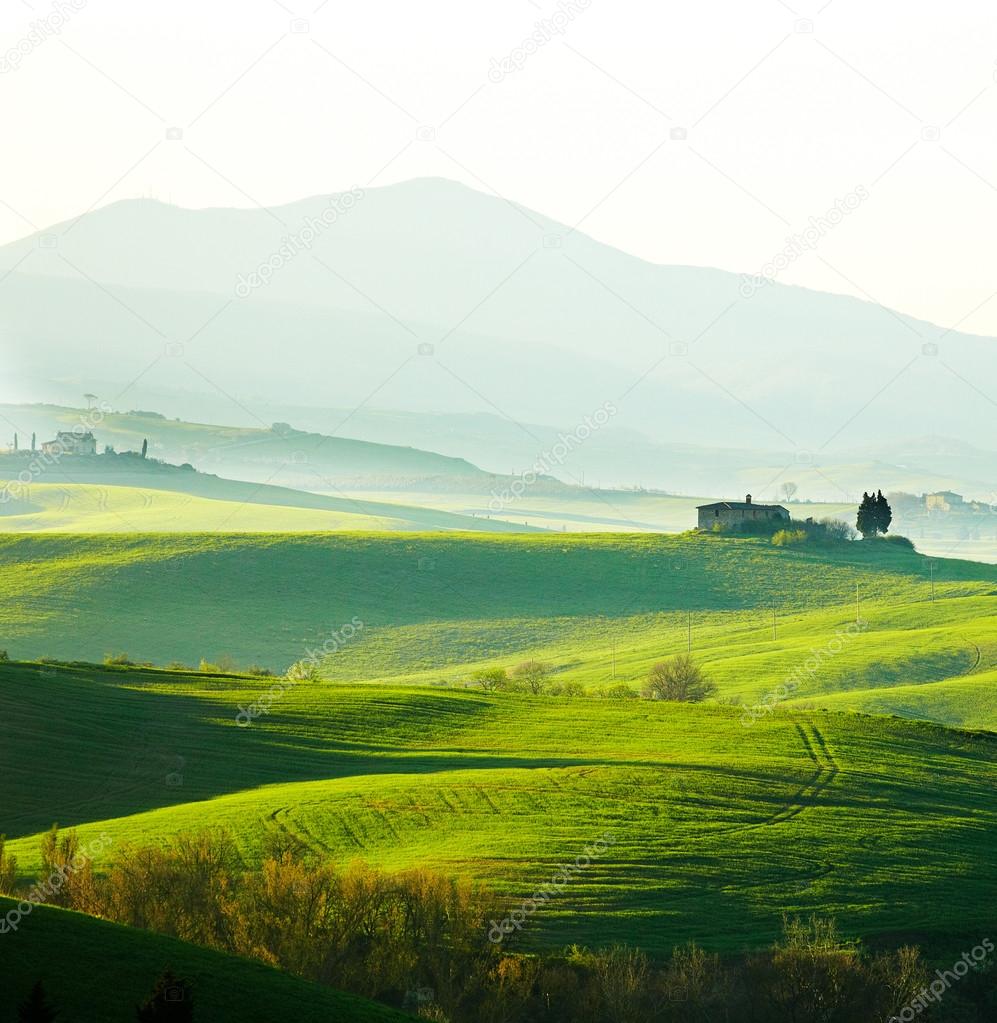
(419, 940)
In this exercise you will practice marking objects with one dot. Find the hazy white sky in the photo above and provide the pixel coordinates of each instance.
(685, 133)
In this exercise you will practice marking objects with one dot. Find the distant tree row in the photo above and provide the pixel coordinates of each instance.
(679, 679)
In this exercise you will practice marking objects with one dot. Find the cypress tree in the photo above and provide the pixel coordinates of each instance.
(884, 513)
(37, 1008)
(865, 521)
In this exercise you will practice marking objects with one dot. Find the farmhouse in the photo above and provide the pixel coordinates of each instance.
(69, 443)
(736, 513)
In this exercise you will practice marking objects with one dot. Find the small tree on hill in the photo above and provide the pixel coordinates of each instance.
(170, 1002)
(36, 1008)
(680, 678)
(305, 670)
(145, 447)
(534, 675)
(491, 678)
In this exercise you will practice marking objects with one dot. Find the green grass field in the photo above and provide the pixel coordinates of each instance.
(718, 828)
(721, 820)
(71, 955)
(601, 608)
(190, 503)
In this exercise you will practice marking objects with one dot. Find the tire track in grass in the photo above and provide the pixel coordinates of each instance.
(827, 771)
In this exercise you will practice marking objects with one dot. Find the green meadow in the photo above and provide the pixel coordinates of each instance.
(842, 792)
(601, 609)
(716, 828)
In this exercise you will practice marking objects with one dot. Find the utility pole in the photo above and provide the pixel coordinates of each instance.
(931, 568)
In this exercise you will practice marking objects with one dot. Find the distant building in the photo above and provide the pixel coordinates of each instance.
(69, 443)
(943, 500)
(736, 513)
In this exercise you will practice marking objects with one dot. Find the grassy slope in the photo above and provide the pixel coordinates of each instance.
(719, 828)
(439, 606)
(71, 954)
(208, 444)
(188, 502)
(588, 510)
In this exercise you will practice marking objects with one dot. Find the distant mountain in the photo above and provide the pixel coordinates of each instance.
(526, 319)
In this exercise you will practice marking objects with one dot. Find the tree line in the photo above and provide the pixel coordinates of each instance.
(418, 940)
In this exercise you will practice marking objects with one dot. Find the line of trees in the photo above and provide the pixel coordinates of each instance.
(679, 678)
(419, 940)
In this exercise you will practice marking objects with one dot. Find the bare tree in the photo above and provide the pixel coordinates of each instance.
(534, 675)
(491, 678)
(681, 679)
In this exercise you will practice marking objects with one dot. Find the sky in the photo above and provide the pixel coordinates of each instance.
(699, 134)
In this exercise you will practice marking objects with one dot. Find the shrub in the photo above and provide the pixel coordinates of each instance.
(621, 691)
(3, 655)
(532, 676)
(678, 679)
(303, 671)
(491, 678)
(789, 537)
(836, 529)
(8, 869)
(118, 660)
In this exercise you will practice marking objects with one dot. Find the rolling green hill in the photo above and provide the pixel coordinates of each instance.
(71, 954)
(601, 608)
(192, 502)
(261, 451)
(717, 828)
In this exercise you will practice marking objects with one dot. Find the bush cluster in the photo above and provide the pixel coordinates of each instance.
(418, 940)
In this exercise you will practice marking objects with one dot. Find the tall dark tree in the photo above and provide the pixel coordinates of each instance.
(37, 1008)
(875, 515)
(145, 447)
(170, 1002)
(884, 513)
(865, 523)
